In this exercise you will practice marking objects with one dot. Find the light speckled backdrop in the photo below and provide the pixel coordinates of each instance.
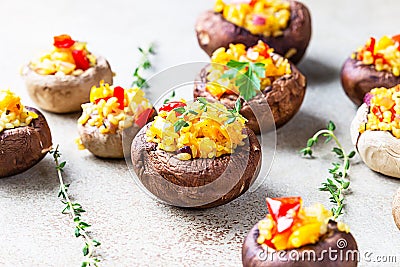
(134, 229)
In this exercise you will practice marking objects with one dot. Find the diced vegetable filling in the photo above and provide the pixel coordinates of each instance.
(290, 225)
(383, 54)
(267, 17)
(113, 109)
(12, 113)
(219, 85)
(384, 111)
(68, 57)
(197, 130)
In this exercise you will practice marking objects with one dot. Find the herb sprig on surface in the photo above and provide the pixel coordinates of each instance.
(249, 82)
(338, 183)
(232, 114)
(75, 210)
(144, 64)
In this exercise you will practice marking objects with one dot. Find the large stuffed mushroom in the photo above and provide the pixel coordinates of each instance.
(195, 155)
(111, 119)
(284, 25)
(282, 88)
(375, 131)
(25, 137)
(376, 64)
(59, 81)
(291, 235)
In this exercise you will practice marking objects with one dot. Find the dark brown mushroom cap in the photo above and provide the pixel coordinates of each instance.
(23, 147)
(358, 79)
(213, 32)
(254, 255)
(198, 183)
(284, 97)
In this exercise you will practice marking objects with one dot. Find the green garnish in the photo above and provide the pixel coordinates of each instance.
(249, 82)
(338, 183)
(144, 64)
(170, 97)
(75, 210)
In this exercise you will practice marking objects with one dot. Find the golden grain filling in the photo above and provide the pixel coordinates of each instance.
(67, 57)
(384, 111)
(197, 130)
(260, 53)
(13, 113)
(290, 225)
(113, 109)
(383, 54)
(266, 17)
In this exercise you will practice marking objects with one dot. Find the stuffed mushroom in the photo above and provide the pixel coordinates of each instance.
(113, 113)
(59, 81)
(25, 137)
(284, 25)
(274, 84)
(375, 131)
(293, 235)
(196, 155)
(376, 64)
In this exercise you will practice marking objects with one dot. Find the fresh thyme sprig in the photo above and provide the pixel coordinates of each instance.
(144, 64)
(249, 82)
(232, 114)
(75, 210)
(338, 183)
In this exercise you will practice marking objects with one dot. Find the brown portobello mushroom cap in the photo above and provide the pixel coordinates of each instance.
(284, 97)
(66, 93)
(23, 147)
(358, 79)
(213, 32)
(109, 145)
(254, 255)
(196, 183)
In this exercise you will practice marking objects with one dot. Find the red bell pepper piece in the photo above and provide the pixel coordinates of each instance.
(119, 93)
(379, 55)
(378, 113)
(81, 60)
(371, 46)
(63, 41)
(144, 117)
(396, 38)
(98, 99)
(284, 211)
(171, 106)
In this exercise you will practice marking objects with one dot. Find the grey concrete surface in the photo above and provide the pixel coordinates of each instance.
(134, 229)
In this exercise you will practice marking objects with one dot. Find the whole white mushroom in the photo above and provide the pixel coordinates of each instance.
(380, 150)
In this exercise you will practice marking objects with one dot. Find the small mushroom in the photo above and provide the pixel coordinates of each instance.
(214, 31)
(358, 79)
(380, 150)
(22, 147)
(65, 93)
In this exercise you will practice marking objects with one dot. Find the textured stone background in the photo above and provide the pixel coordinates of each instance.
(133, 228)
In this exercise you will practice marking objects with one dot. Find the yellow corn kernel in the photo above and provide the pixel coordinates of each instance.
(343, 227)
(184, 156)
